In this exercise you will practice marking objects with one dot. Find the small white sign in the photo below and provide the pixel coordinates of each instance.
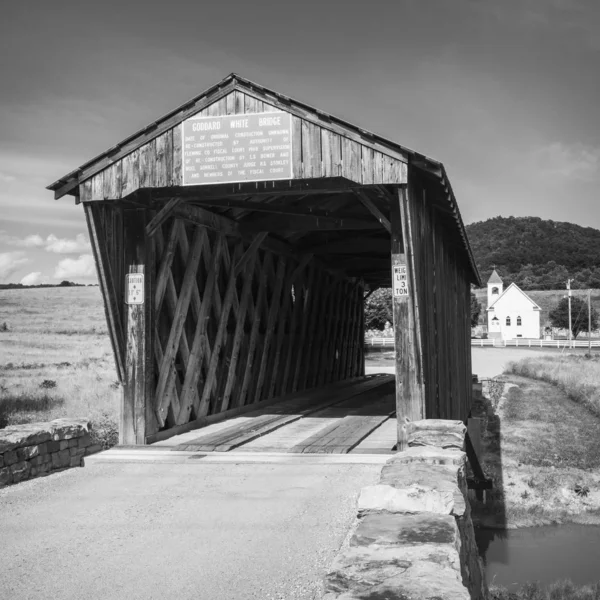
(400, 281)
(135, 288)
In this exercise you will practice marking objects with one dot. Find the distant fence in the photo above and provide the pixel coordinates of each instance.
(496, 343)
(378, 342)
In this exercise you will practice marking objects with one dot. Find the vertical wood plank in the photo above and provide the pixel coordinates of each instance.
(230, 103)
(85, 191)
(311, 150)
(132, 428)
(297, 171)
(378, 167)
(177, 160)
(367, 174)
(351, 160)
(98, 186)
(409, 395)
(239, 101)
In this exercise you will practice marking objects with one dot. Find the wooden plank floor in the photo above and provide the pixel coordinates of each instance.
(334, 419)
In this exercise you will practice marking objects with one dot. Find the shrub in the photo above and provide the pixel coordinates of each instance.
(48, 384)
(105, 430)
(4, 326)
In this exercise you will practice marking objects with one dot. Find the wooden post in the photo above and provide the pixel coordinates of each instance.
(136, 389)
(409, 393)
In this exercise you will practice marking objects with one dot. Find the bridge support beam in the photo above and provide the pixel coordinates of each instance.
(410, 389)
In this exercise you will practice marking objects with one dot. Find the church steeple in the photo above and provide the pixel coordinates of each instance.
(494, 285)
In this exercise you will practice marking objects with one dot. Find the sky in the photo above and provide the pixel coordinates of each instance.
(505, 94)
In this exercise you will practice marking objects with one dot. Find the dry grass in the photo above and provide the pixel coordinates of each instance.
(56, 359)
(576, 375)
(542, 450)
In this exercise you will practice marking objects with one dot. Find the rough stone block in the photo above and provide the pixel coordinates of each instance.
(73, 443)
(432, 456)
(413, 499)
(36, 461)
(93, 449)
(17, 436)
(5, 477)
(61, 459)
(76, 451)
(28, 452)
(53, 447)
(389, 529)
(439, 439)
(84, 441)
(20, 471)
(66, 429)
(76, 461)
(1, 461)
(10, 458)
(435, 477)
(63, 445)
(397, 572)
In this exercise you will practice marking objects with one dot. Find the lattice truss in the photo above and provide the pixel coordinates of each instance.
(235, 324)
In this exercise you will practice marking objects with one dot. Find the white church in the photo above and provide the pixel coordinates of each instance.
(511, 313)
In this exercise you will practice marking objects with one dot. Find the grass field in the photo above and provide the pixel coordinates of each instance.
(542, 446)
(56, 359)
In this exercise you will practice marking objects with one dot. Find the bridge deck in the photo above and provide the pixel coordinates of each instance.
(353, 416)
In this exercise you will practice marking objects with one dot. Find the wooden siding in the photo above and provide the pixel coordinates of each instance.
(317, 152)
(440, 278)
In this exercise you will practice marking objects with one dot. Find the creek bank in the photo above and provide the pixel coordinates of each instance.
(542, 451)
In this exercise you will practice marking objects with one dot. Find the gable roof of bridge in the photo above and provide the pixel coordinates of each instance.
(69, 183)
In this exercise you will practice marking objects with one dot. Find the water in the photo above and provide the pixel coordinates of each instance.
(545, 554)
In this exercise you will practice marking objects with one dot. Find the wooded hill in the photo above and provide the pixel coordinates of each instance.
(536, 254)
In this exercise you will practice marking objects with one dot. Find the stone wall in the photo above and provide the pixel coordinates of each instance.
(414, 537)
(35, 449)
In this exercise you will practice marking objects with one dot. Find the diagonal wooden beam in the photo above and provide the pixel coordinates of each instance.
(183, 303)
(162, 215)
(372, 208)
(250, 252)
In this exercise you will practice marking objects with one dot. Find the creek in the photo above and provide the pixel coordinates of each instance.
(545, 554)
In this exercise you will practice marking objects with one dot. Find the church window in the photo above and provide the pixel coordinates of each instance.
(494, 291)
(508, 321)
(519, 323)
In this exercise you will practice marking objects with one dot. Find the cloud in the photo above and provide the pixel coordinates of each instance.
(76, 268)
(33, 278)
(10, 262)
(31, 241)
(52, 243)
(66, 246)
(569, 161)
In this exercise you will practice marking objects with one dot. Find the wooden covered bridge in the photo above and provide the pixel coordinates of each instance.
(235, 241)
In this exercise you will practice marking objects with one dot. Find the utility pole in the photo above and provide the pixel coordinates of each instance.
(569, 296)
(590, 322)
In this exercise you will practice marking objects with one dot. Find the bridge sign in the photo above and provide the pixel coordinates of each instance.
(237, 148)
